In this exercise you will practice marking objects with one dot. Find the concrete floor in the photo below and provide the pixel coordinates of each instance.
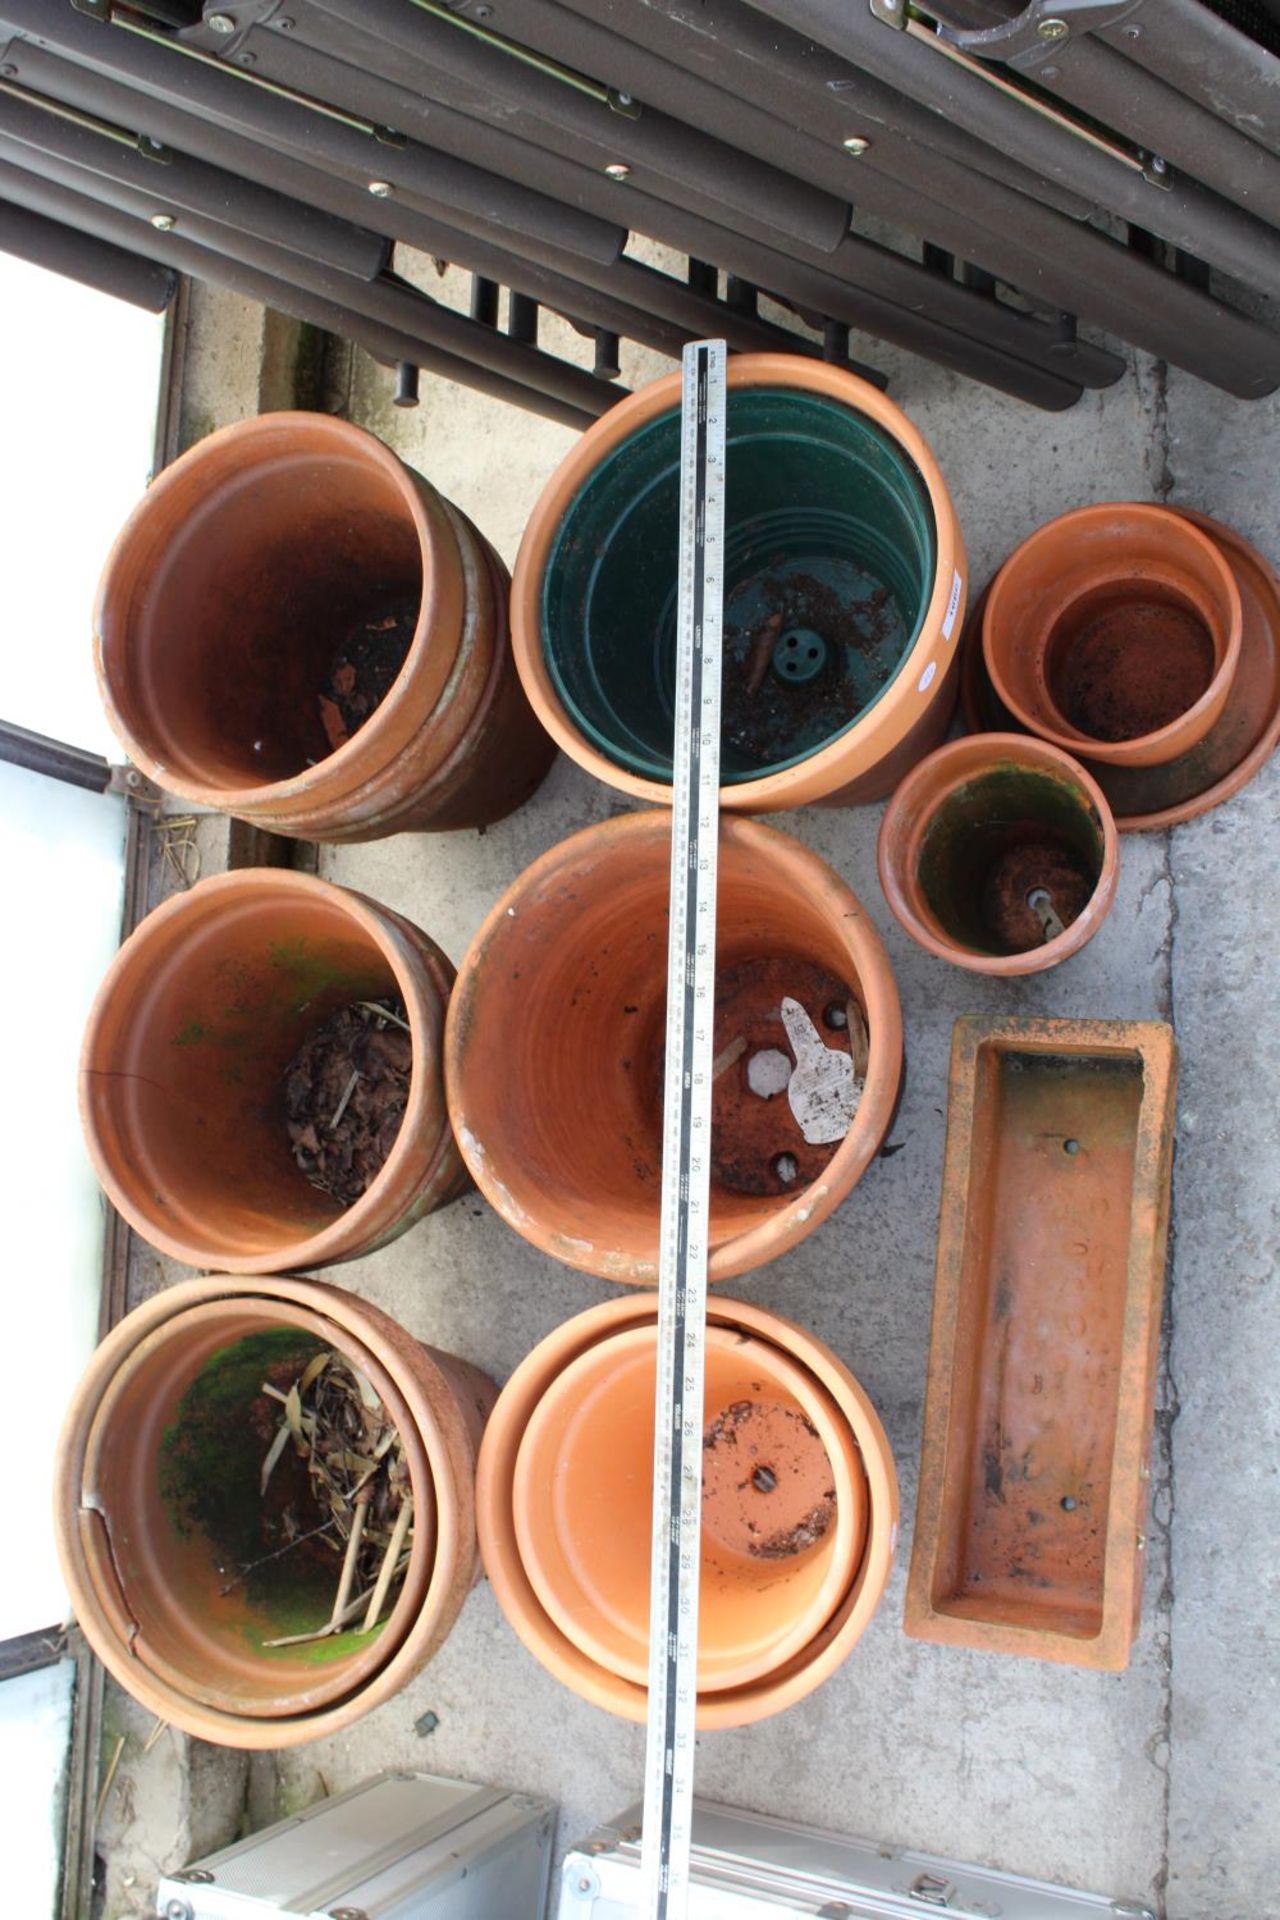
(1158, 1784)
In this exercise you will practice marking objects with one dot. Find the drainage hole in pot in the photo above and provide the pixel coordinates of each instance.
(762, 1450)
(1123, 662)
(283, 1461)
(1009, 861)
(758, 1146)
(809, 644)
(1068, 1503)
(345, 1093)
(1071, 1146)
(768, 1072)
(835, 1017)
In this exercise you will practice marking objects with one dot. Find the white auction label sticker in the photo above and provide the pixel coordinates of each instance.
(926, 678)
(953, 604)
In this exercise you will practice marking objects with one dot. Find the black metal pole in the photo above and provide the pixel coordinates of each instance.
(77, 256)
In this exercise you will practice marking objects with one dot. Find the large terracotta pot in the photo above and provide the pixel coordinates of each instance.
(1114, 631)
(792, 1678)
(232, 589)
(1000, 854)
(159, 1454)
(181, 1071)
(555, 1035)
(844, 591)
(783, 1505)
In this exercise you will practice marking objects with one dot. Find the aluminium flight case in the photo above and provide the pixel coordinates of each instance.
(402, 1846)
(747, 1866)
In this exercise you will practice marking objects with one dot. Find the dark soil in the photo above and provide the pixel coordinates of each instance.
(364, 668)
(1128, 669)
(751, 1132)
(768, 718)
(344, 1159)
(770, 1507)
(1031, 868)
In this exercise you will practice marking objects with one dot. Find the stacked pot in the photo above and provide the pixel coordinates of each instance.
(799, 1514)
(160, 1466)
(254, 562)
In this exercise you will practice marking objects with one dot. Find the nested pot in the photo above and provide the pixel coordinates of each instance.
(844, 583)
(170, 1537)
(594, 1371)
(1114, 632)
(999, 853)
(555, 1037)
(783, 1505)
(273, 558)
(182, 1071)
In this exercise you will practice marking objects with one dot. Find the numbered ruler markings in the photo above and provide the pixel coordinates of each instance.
(686, 1165)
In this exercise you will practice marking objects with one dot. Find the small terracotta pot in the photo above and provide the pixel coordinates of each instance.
(1000, 854)
(792, 1679)
(229, 595)
(844, 583)
(554, 1045)
(199, 1015)
(783, 1506)
(145, 1576)
(1114, 632)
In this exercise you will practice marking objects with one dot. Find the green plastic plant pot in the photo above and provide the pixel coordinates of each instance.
(842, 579)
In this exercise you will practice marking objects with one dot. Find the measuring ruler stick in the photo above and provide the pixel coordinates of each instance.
(686, 1154)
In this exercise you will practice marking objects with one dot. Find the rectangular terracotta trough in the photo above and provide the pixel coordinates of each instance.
(1046, 1333)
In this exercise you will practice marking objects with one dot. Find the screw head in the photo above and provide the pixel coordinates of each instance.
(165, 222)
(248, 59)
(1132, 33)
(1053, 29)
(856, 144)
(9, 72)
(625, 100)
(283, 25)
(618, 170)
(381, 189)
(220, 23)
(1158, 165)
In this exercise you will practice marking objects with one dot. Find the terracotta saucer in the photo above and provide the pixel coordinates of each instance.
(1241, 741)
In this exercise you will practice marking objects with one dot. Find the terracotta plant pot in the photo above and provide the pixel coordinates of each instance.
(1046, 1339)
(181, 1073)
(790, 1679)
(1115, 632)
(555, 1036)
(240, 581)
(158, 1475)
(844, 591)
(783, 1506)
(999, 853)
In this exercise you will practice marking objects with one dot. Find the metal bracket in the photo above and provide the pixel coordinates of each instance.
(135, 786)
(189, 1876)
(1042, 29)
(611, 97)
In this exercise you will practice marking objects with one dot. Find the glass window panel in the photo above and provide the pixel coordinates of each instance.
(82, 381)
(62, 856)
(35, 1740)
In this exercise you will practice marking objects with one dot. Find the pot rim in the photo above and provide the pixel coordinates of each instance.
(948, 762)
(332, 1242)
(455, 1513)
(829, 1648)
(807, 1210)
(410, 697)
(848, 1537)
(1190, 726)
(832, 766)
(332, 1683)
